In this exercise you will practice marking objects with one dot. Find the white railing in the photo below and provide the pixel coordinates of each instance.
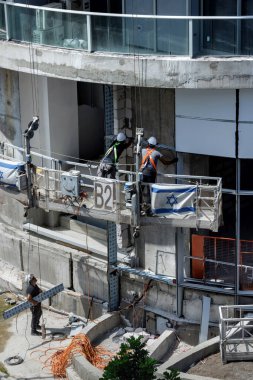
(107, 197)
(119, 33)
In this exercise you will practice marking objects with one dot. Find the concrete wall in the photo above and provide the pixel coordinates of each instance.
(90, 276)
(49, 261)
(148, 71)
(153, 109)
(55, 102)
(10, 130)
(12, 211)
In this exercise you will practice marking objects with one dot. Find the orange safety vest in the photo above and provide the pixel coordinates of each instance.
(148, 157)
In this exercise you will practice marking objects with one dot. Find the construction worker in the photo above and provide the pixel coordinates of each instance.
(150, 157)
(32, 291)
(107, 167)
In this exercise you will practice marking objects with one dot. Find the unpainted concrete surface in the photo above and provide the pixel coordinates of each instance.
(212, 366)
(31, 348)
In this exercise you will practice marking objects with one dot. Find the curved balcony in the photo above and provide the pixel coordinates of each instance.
(163, 44)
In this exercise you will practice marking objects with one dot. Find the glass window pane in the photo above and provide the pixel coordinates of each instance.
(107, 34)
(246, 243)
(75, 31)
(224, 168)
(2, 23)
(172, 37)
(246, 177)
(220, 35)
(247, 28)
(22, 22)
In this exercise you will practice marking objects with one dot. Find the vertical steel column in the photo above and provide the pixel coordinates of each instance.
(7, 24)
(113, 280)
(238, 187)
(89, 33)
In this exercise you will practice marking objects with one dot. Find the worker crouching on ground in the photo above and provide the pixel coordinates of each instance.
(150, 157)
(32, 291)
(107, 167)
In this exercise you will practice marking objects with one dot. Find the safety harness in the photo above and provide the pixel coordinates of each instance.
(147, 158)
(114, 149)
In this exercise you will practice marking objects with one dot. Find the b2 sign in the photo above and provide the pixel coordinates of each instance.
(104, 196)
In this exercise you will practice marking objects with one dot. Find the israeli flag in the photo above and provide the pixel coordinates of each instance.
(173, 200)
(9, 171)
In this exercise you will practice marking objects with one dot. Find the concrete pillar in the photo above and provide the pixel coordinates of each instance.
(122, 110)
(153, 109)
(10, 130)
(55, 102)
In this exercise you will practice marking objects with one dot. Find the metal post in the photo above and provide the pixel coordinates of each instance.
(32, 126)
(112, 276)
(190, 38)
(89, 34)
(7, 22)
(28, 170)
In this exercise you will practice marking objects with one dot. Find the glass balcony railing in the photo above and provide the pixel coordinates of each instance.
(126, 33)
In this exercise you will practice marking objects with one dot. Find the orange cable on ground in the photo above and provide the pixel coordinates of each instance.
(80, 344)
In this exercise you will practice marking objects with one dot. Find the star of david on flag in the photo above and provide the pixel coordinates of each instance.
(173, 200)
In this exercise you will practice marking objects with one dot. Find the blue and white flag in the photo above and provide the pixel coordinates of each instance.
(9, 171)
(173, 200)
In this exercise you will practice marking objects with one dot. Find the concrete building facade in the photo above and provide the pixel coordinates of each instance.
(185, 78)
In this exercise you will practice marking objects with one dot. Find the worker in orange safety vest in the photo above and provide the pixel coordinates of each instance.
(150, 157)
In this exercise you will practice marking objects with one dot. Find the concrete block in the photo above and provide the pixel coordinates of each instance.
(161, 325)
(159, 253)
(192, 309)
(72, 374)
(10, 277)
(90, 276)
(11, 248)
(151, 322)
(85, 369)
(162, 345)
(183, 361)
(72, 302)
(50, 261)
(85, 228)
(102, 325)
(12, 211)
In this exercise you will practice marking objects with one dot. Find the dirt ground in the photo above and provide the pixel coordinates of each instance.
(212, 366)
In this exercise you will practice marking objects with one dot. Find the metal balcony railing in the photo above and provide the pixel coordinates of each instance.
(126, 33)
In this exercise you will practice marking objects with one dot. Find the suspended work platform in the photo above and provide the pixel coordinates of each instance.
(236, 332)
(74, 188)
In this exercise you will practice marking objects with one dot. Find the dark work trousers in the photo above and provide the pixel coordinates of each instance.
(36, 314)
(148, 177)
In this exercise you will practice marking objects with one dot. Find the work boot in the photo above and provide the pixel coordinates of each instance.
(36, 333)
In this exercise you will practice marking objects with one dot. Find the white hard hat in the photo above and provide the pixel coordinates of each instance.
(152, 140)
(29, 277)
(121, 137)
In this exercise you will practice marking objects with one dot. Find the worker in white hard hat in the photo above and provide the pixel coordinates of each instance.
(107, 167)
(32, 291)
(148, 168)
(150, 157)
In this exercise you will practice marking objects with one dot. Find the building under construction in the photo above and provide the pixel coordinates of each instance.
(181, 72)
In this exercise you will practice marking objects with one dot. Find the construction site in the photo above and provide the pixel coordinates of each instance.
(125, 185)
